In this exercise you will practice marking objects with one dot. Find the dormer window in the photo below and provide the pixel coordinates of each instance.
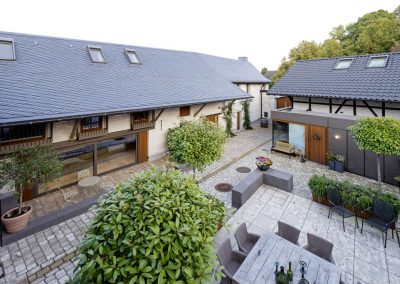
(7, 51)
(344, 63)
(377, 61)
(132, 56)
(96, 54)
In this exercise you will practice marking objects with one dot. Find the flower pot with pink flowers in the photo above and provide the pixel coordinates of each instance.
(263, 163)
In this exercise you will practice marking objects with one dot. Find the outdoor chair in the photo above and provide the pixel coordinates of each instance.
(336, 204)
(245, 240)
(319, 247)
(288, 232)
(383, 217)
(230, 259)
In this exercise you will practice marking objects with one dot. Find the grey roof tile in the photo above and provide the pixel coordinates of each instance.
(318, 78)
(53, 78)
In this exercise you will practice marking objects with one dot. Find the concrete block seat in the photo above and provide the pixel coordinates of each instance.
(246, 188)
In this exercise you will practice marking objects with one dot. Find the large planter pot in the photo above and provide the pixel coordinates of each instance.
(263, 168)
(323, 201)
(339, 167)
(18, 223)
(264, 122)
(331, 165)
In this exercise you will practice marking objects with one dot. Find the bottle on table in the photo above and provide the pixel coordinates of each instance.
(290, 272)
(281, 277)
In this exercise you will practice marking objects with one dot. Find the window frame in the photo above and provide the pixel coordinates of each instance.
(378, 56)
(10, 41)
(343, 59)
(182, 113)
(100, 127)
(95, 47)
(30, 126)
(130, 50)
(140, 116)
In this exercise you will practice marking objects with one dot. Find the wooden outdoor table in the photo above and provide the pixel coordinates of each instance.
(89, 183)
(259, 266)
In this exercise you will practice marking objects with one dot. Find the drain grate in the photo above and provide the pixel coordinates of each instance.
(224, 187)
(243, 170)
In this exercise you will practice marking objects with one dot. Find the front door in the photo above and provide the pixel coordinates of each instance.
(213, 118)
(238, 119)
(143, 138)
(317, 138)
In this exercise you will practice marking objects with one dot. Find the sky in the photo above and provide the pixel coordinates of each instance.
(262, 30)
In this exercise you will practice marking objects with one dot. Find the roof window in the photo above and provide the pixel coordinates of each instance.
(377, 61)
(344, 63)
(7, 51)
(133, 58)
(96, 54)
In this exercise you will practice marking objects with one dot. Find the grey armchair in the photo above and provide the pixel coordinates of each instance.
(230, 259)
(320, 247)
(288, 232)
(245, 240)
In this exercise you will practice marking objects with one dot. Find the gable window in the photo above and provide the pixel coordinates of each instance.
(344, 63)
(141, 116)
(133, 58)
(7, 51)
(377, 61)
(19, 132)
(96, 54)
(184, 111)
(91, 123)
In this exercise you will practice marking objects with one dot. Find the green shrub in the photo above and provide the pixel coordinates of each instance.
(157, 227)
(319, 186)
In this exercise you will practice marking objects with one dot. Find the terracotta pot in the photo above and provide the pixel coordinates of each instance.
(323, 201)
(16, 224)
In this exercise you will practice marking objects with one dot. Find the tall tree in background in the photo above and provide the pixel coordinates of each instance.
(374, 32)
(264, 71)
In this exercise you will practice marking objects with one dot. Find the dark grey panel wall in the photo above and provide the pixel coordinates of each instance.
(355, 157)
(337, 140)
(300, 118)
(392, 168)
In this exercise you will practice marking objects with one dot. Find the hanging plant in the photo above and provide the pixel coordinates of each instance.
(227, 115)
(246, 111)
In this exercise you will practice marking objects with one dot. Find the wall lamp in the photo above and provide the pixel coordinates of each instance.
(337, 136)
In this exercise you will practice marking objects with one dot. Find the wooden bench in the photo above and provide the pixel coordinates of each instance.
(285, 147)
(246, 188)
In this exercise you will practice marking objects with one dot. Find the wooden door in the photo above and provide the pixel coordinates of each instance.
(317, 146)
(213, 118)
(239, 113)
(283, 102)
(143, 139)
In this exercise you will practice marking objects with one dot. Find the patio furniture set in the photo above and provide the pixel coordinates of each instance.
(258, 256)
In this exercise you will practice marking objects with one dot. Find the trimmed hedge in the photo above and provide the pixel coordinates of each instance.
(353, 195)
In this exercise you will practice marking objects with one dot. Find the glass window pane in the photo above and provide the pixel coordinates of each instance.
(377, 62)
(97, 55)
(6, 50)
(133, 57)
(344, 64)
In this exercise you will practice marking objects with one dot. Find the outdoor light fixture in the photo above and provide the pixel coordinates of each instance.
(337, 136)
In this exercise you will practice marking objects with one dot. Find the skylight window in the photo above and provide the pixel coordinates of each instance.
(377, 61)
(7, 51)
(133, 58)
(96, 54)
(344, 63)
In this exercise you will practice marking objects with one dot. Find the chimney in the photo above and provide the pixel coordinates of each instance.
(243, 58)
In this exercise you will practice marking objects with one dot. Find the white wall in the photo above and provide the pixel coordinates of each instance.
(119, 122)
(62, 130)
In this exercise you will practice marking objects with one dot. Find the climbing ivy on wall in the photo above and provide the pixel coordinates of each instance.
(227, 115)
(246, 111)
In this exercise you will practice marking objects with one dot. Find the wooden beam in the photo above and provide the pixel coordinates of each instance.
(354, 107)
(74, 130)
(370, 108)
(199, 110)
(309, 104)
(340, 106)
(383, 109)
(159, 114)
(330, 105)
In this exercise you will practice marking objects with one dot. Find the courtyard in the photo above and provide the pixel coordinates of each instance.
(50, 256)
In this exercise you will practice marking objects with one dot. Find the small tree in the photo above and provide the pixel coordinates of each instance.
(227, 114)
(27, 166)
(246, 112)
(196, 143)
(157, 227)
(378, 134)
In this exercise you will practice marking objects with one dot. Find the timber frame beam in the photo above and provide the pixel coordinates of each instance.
(159, 114)
(340, 106)
(370, 108)
(199, 110)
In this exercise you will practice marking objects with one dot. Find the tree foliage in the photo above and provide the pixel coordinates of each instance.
(264, 71)
(27, 166)
(227, 115)
(378, 134)
(246, 113)
(196, 143)
(157, 227)
(374, 32)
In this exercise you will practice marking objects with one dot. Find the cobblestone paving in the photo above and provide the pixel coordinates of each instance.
(362, 258)
(49, 256)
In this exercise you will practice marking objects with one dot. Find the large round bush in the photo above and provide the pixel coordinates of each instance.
(157, 227)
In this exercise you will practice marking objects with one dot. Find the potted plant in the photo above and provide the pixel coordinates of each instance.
(299, 154)
(263, 163)
(339, 162)
(26, 168)
(319, 187)
(331, 160)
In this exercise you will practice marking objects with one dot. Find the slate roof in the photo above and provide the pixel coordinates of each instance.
(318, 78)
(270, 74)
(54, 78)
